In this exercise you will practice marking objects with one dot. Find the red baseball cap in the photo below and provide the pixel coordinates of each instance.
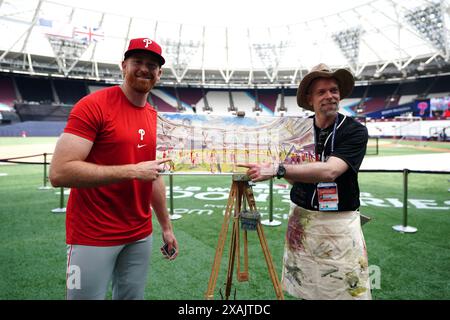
(147, 45)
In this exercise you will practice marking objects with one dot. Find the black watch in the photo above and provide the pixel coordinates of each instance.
(281, 171)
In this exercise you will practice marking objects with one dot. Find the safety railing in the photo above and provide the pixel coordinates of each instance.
(404, 227)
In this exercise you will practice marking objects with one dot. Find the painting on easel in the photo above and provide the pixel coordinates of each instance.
(216, 144)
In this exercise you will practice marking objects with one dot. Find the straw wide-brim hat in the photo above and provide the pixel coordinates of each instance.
(344, 78)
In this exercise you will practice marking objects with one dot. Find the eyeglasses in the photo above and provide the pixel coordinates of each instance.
(323, 134)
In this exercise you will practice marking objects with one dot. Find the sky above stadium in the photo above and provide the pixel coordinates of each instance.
(221, 13)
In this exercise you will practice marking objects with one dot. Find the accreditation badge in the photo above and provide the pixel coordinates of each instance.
(328, 196)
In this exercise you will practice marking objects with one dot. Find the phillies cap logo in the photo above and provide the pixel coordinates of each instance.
(147, 45)
(147, 42)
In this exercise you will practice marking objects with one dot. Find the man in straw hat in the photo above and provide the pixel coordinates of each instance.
(325, 254)
(107, 156)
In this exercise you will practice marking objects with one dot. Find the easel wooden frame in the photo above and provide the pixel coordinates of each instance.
(240, 191)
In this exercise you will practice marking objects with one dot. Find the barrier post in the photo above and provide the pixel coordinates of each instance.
(44, 186)
(61, 208)
(405, 228)
(270, 222)
(172, 216)
(377, 145)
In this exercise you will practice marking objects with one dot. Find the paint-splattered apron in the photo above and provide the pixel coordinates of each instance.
(325, 256)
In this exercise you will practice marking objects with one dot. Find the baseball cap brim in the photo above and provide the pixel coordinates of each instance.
(161, 60)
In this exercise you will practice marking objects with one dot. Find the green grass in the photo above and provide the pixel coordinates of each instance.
(413, 266)
(32, 238)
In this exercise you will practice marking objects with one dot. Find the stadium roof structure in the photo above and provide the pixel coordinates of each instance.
(377, 40)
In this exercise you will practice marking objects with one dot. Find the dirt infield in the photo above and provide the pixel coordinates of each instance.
(393, 144)
(425, 162)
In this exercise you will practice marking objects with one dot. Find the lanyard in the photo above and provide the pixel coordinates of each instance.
(326, 140)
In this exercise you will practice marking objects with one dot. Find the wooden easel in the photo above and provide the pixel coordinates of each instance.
(240, 193)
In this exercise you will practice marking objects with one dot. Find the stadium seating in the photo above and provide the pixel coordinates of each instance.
(291, 107)
(34, 89)
(268, 100)
(42, 112)
(440, 84)
(94, 88)
(407, 99)
(414, 87)
(7, 94)
(217, 100)
(244, 101)
(163, 101)
(69, 91)
(43, 98)
(190, 96)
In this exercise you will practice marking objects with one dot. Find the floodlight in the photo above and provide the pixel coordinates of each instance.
(429, 23)
(348, 42)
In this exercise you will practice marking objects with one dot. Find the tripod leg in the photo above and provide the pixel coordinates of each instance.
(248, 194)
(243, 276)
(270, 266)
(221, 243)
(232, 255)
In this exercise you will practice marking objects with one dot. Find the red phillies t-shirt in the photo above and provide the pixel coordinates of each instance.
(122, 133)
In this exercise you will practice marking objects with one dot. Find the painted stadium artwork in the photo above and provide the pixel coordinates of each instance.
(216, 144)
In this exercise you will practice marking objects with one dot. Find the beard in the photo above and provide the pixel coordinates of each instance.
(141, 85)
(328, 112)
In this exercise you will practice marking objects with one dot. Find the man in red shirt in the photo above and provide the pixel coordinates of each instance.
(106, 155)
(446, 114)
